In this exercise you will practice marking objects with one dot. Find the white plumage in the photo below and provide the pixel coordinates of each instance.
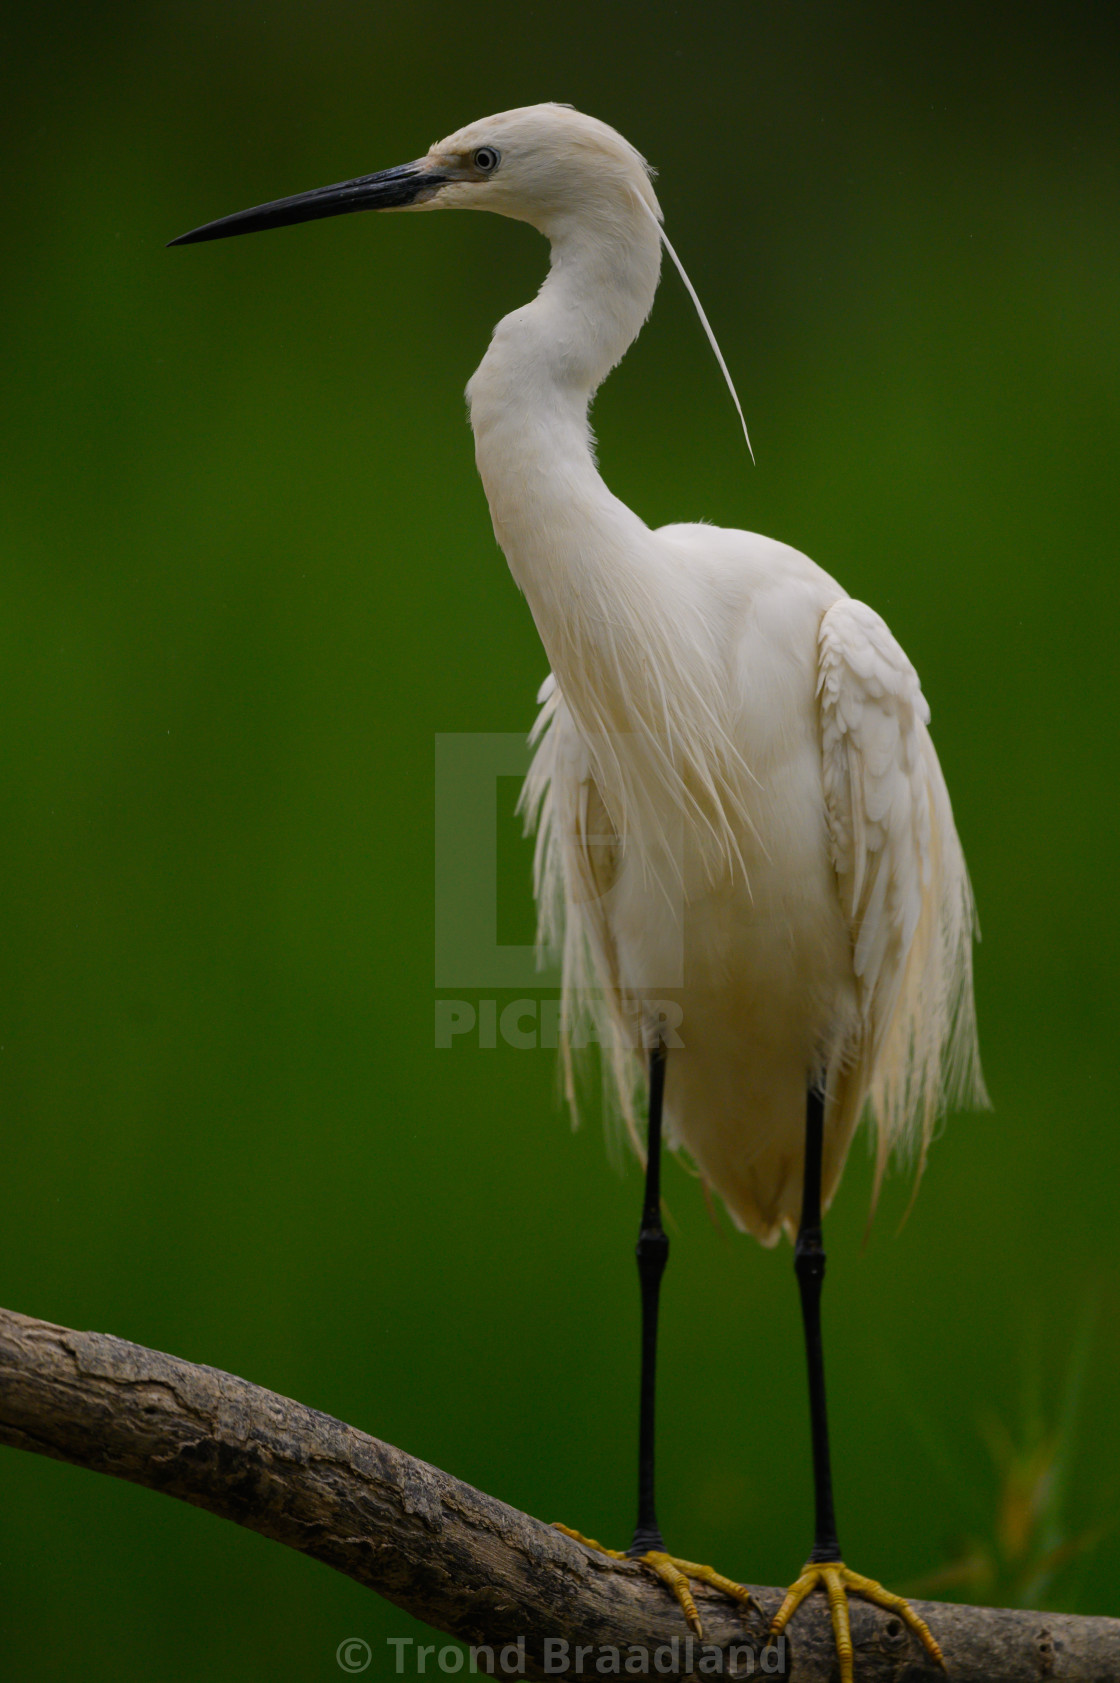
(745, 842)
(741, 814)
(746, 851)
(745, 845)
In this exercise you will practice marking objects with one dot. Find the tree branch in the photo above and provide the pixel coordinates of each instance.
(454, 1557)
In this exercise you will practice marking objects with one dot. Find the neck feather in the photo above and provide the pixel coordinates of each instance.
(611, 604)
(569, 542)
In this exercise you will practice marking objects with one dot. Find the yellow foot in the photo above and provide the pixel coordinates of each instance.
(674, 1573)
(837, 1581)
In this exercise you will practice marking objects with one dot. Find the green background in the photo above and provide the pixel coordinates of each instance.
(248, 574)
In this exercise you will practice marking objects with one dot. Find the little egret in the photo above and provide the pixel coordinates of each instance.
(745, 845)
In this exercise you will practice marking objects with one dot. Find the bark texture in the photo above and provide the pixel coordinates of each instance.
(451, 1555)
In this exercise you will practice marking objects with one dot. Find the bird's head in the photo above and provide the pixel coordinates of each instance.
(541, 164)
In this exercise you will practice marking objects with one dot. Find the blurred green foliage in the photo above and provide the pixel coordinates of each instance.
(248, 574)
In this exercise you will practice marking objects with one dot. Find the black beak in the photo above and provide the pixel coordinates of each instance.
(389, 189)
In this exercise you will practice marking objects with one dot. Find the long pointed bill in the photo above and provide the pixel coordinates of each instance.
(389, 189)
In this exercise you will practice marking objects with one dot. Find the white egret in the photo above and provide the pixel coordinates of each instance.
(745, 846)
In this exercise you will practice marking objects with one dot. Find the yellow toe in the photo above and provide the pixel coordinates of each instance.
(838, 1582)
(588, 1542)
(677, 1576)
(668, 1570)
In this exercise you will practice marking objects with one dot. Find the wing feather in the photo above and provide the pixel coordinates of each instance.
(903, 884)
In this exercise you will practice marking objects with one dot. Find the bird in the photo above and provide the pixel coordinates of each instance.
(746, 852)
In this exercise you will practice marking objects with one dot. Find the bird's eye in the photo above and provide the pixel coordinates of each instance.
(487, 159)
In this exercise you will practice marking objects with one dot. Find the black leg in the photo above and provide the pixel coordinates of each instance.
(809, 1260)
(825, 1567)
(653, 1253)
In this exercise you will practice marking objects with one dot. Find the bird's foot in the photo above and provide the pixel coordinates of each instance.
(674, 1573)
(838, 1582)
